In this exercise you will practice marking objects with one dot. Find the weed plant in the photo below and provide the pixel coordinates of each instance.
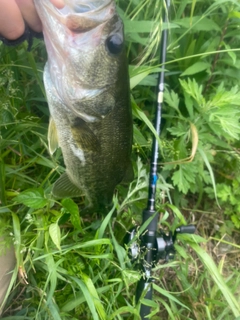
(74, 266)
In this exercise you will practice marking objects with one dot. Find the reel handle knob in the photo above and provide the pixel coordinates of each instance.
(186, 229)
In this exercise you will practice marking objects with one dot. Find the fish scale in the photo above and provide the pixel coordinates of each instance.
(87, 86)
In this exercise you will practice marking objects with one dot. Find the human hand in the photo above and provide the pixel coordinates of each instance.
(13, 13)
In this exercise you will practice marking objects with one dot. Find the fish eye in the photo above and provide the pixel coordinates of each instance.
(114, 44)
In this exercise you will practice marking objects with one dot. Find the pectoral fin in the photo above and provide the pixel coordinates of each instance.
(52, 137)
(64, 188)
(84, 137)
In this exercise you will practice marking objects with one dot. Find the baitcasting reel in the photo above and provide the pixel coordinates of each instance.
(158, 244)
(152, 247)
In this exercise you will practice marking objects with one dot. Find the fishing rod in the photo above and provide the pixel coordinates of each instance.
(154, 245)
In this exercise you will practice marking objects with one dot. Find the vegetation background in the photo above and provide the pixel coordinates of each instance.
(71, 266)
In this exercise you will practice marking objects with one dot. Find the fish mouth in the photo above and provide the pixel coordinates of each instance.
(84, 6)
(83, 15)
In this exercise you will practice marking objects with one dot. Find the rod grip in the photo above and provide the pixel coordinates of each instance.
(142, 286)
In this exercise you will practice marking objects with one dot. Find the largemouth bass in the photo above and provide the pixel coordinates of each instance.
(87, 85)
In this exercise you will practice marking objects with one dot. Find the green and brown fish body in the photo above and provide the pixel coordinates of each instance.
(87, 85)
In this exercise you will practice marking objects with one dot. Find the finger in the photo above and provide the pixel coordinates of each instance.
(58, 3)
(29, 14)
(11, 21)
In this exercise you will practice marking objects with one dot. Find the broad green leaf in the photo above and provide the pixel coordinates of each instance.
(32, 198)
(236, 220)
(198, 23)
(184, 177)
(133, 26)
(55, 234)
(195, 68)
(135, 37)
(138, 74)
(143, 26)
(234, 14)
(72, 208)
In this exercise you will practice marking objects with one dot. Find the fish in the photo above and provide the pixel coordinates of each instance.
(87, 86)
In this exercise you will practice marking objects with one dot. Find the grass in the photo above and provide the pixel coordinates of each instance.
(76, 265)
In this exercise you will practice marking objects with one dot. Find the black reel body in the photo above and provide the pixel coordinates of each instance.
(147, 250)
(160, 244)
